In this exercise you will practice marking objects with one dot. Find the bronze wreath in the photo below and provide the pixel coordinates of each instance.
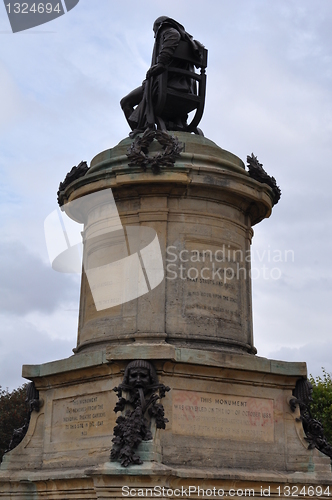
(257, 172)
(139, 149)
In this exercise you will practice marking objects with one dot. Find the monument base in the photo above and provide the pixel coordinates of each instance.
(230, 428)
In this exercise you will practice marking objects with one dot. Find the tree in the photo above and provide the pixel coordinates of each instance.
(321, 406)
(13, 414)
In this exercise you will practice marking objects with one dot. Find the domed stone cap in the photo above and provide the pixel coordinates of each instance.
(200, 165)
(197, 150)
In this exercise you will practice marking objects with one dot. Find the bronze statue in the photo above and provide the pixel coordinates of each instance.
(172, 88)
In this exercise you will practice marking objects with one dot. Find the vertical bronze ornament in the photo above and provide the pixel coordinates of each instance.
(34, 404)
(140, 384)
(313, 429)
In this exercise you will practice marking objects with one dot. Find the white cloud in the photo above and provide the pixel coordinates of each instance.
(316, 354)
(21, 343)
(29, 285)
(9, 99)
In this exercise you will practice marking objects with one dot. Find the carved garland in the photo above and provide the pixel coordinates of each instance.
(139, 149)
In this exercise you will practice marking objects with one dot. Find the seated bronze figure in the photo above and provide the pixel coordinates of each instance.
(172, 88)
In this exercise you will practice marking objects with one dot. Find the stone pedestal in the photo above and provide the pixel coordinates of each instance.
(230, 424)
(202, 210)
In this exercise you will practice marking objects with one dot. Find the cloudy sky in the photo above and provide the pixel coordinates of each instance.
(269, 92)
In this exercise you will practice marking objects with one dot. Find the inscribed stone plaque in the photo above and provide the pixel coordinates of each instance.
(223, 416)
(213, 281)
(82, 417)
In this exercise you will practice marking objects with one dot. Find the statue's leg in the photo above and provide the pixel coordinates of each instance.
(129, 102)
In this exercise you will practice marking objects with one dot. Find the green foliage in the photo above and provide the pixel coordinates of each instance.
(321, 407)
(13, 412)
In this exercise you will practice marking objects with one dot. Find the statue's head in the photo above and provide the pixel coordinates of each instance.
(158, 22)
(139, 374)
(163, 20)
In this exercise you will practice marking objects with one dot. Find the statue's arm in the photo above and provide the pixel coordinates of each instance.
(170, 39)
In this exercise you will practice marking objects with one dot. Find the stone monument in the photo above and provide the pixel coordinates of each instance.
(165, 395)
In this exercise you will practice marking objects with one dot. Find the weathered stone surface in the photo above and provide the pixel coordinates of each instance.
(81, 417)
(222, 416)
